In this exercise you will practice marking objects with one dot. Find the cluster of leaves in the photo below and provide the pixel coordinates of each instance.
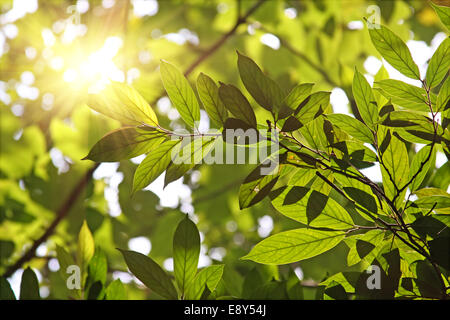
(318, 181)
(191, 283)
(84, 274)
(318, 184)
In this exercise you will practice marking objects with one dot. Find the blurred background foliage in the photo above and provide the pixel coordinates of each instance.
(48, 63)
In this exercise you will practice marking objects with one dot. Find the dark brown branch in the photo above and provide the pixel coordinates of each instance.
(224, 38)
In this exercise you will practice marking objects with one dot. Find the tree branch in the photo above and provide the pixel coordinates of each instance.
(62, 212)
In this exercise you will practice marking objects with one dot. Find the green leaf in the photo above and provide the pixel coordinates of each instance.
(29, 286)
(187, 157)
(208, 277)
(312, 107)
(180, 93)
(422, 161)
(98, 267)
(363, 198)
(154, 164)
(317, 202)
(395, 171)
(438, 202)
(123, 103)
(263, 89)
(298, 94)
(444, 14)
(64, 259)
(231, 132)
(186, 251)
(6, 249)
(442, 101)
(86, 246)
(394, 50)
(124, 143)
(294, 245)
(237, 103)
(208, 92)
(256, 186)
(6, 293)
(294, 99)
(439, 64)
(419, 128)
(293, 203)
(439, 249)
(352, 126)
(150, 273)
(365, 100)
(406, 95)
(115, 291)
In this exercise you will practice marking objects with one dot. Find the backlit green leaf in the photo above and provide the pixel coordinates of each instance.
(186, 251)
(444, 14)
(351, 126)
(395, 168)
(420, 164)
(394, 50)
(294, 245)
(208, 277)
(180, 93)
(154, 164)
(256, 186)
(86, 245)
(123, 103)
(293, 203)
(209, 95)
(439, 64)
(115, 291)
(365, 100)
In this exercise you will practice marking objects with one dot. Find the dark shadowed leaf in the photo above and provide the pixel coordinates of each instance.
(363, 198)
(124, 143)
(6, 293)
(150, 273)
(315, 205)
(263, 89)
(29, 286)
(237, 103)
(439, 249)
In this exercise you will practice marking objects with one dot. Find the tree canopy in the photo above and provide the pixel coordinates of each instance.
(223, 149)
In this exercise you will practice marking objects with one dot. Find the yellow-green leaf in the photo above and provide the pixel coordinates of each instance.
(123, 103)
